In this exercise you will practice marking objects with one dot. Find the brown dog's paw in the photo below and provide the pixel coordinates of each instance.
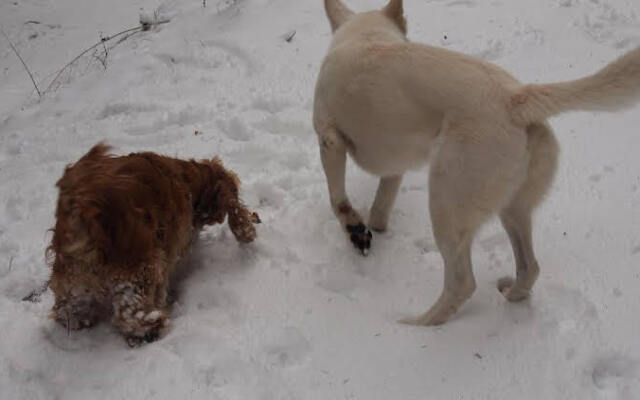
(76, 313)
(360, 237)
(142, 328)
(241, 222)
(255, 218)
(134, 318)
(151, 336)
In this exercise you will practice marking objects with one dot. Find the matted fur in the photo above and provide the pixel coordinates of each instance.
(122, 223)
(392, 104)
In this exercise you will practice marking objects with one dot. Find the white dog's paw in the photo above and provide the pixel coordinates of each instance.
(507, 286)
(427, 319)
(378, 222)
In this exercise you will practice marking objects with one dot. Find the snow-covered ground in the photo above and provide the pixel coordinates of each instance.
(299, 314)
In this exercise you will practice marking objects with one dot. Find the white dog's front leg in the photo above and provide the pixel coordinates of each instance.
(385, 197)
(333, 153)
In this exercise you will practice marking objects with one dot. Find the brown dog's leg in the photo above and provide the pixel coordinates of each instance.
(136, 315)
(77, 312)
(75, 306)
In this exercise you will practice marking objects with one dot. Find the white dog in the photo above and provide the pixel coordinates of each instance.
(392, 104)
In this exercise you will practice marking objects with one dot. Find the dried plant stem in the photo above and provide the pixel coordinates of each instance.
(24, 64)
(104, 39)
(144, 26)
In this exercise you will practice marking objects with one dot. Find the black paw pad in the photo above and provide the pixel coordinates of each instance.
(360, 237)
(152, 335)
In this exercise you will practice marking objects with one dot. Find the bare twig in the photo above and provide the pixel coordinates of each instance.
(10, 263)
(102, 40)
(288, 37)
(34, 296)
(105, 54)
(144, 25)
(24, 64)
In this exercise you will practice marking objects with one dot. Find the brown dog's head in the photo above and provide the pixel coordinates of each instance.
(339, 14)
(219, 198)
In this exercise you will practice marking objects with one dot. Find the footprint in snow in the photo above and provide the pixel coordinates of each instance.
(608, 24)
(271, 106)
(567, 310)
(129, 109)
(288, 348)
(616, 377)
(493, 50)
(335, 278)
(237, 55)
(185, 117)
(235, 129)
(268, 194)
(15, 207)
(461, 3)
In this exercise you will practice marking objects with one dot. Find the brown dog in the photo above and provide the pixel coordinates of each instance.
(122, 223)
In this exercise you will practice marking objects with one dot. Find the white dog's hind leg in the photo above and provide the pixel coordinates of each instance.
(517, 223)
(333, 153)
(516, 217)
(385, 197)
(474, 174)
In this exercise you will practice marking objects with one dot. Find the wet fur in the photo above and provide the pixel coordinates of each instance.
(122, 224)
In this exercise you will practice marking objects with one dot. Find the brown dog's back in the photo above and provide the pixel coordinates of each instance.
(119, 209)
(122, 224)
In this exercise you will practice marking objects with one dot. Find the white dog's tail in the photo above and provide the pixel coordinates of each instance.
(614, 87)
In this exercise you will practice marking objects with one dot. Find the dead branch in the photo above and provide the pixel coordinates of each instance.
(24, 64)
(105, 53)
(288, 37)
(144, 26)
(70, 63)
(34, 296)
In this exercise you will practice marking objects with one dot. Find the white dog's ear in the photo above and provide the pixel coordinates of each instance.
(395, 11)
(337, 13)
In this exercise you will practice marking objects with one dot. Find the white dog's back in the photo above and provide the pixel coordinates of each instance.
(388, 102)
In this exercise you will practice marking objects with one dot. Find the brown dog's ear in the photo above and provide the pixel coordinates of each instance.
(337, 13)
(395, 12)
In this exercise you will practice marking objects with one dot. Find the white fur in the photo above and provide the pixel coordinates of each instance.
(392, 105)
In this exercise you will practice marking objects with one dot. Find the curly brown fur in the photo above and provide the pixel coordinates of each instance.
(122, 223)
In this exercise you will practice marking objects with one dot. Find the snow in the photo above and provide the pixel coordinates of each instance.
(299, 314)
